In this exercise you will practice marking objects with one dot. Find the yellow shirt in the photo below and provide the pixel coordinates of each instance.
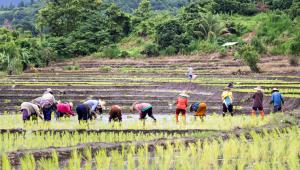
(227, 94)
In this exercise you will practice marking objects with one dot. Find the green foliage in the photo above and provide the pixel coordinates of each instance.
(245, 7)
(105, 69)
(249, 56)
(202, 46)
(258, 45)
(294, 11)
(295, 51)
(72, 67)
(171, 33)
(5, 164)
(89, 27)
(151, 50)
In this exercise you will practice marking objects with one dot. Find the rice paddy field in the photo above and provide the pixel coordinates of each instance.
(216, 142)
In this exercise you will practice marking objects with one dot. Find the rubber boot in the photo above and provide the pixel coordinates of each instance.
(253, 113)
(177, 118)
(262, 114)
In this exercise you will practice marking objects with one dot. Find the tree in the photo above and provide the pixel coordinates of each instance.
(171, 34)
(295, 52)
(250, 57)
(21, 4)
(294, 11)
(63, 16)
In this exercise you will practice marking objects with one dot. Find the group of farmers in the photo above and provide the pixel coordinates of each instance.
(44, 106)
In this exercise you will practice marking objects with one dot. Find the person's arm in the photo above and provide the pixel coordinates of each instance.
(282, 99)
(95, 104)
(70, 112)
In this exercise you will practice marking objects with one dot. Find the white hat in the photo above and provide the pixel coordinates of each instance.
(275, 89)
(184, 94)
(102, 103)
(49, 90)
(258, 88)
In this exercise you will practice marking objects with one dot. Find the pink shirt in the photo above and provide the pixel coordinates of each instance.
(65, 108)
(141, 106)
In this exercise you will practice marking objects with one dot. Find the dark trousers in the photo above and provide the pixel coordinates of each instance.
(228, 108)
(277, 109)
(47, 113)
(83, 112)
(147, 112)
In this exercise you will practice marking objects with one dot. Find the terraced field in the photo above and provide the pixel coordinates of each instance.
(156, 81)
(99, 145)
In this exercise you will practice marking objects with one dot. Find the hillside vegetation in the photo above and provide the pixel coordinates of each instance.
(34, 35)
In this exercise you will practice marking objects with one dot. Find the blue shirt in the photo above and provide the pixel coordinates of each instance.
(277, 99)
(92, 103)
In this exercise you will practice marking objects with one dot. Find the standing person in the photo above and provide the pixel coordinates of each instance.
(181, 105)
(200, 109)
(190, 73)
(64, 109)
(115, 113)
(277, 100)
(258, 102)
(30, 110)
(227, 100)
(144, 109)
(47, 102)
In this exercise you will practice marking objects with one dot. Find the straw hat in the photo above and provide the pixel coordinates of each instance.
(132, 106)
(275, 89)
(184, 94)
(71, 104)
(49, 90)
(258, 88)
(102, 103)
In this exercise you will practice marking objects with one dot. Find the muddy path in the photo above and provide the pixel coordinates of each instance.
(64, 153)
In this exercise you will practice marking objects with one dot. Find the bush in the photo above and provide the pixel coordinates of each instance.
(169, 51)
(72, 67)
(249, 56)
(105, 69)
(111, 52)
(223, 52)
(295, 51)
(151, 50)
(258, 45)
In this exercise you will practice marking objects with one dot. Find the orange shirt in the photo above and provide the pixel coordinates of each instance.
(182, 103)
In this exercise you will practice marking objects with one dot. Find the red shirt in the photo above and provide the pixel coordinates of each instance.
(182, 103)
(65, 108)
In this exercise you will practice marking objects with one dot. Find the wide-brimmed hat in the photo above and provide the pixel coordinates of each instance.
(132, 106)
(71, 104)
(258, 88)
(49, 90)
(102, 103)
(184, 94)
(275, 89)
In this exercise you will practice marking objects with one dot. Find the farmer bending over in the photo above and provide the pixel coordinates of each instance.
(88, 109)
(258, 102)
(144, 109)
(277, 100)
(30, 110)
(199, 109)
(115, 113)
(227, 99)
(64, 110)
(47, 102)
(181, 105)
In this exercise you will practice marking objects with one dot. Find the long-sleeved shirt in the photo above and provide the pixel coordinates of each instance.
(258, 99)
(277, 99)
(140, 107)
(47, 100)
(31, 108)
(227, 97)
(65, 108)
(182, 103)
(92, 104)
